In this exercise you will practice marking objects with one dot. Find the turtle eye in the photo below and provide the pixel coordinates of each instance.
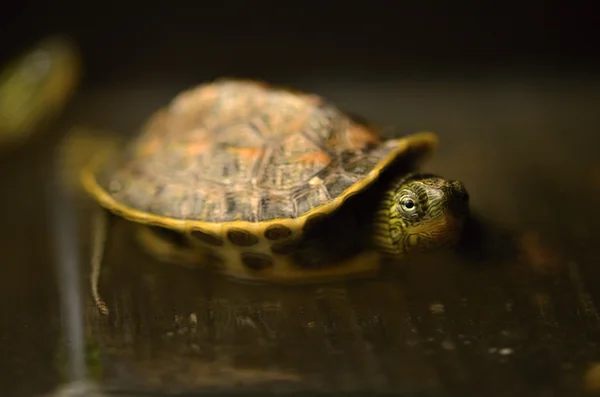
(408, 204)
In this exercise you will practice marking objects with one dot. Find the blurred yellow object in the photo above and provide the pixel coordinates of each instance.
(35, 87)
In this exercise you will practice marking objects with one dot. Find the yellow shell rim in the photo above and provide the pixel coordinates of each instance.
(91, 185)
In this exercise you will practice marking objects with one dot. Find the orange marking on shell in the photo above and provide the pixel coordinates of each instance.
(246, 152)
(359, 137)
(314, 158)
(197, 147)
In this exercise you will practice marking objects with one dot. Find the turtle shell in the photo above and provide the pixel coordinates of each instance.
(244, 153)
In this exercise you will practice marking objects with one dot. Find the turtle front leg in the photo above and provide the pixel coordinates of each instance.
(168, 246)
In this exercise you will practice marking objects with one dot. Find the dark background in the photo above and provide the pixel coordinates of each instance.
(277, 40)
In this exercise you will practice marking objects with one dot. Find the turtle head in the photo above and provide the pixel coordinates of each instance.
(421, 212)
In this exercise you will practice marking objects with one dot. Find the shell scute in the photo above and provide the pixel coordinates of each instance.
(209, 204)
(240, 206)
(309, 197)
(292, 163)
(232, 166)
(362, 165)
(276, 207)
(337, 183)
(139, 193)
(173, 200)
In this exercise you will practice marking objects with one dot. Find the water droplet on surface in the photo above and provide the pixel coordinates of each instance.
(505, 351)
(437, 308)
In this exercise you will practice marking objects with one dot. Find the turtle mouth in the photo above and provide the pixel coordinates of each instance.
(455, 218)
(443, 233)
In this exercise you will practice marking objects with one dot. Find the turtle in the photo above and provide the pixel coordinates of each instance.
(267, 183)
(35, 86)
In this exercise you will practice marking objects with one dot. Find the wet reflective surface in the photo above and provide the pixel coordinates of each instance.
(513, 313)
